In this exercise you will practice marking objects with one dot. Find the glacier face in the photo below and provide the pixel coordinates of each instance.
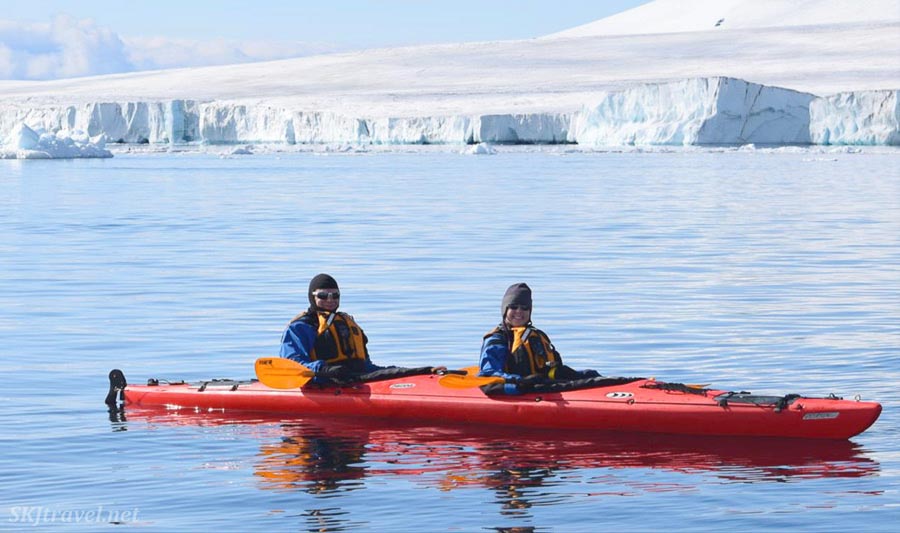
(131, 122)
(694, 111)
(698, 111)
(863, 117)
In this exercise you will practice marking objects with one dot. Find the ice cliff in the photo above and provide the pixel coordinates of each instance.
(129, 122)
(700, 111)
(694, 111)
(863, 117)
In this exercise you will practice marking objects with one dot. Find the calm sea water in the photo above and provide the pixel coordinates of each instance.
(770, 272)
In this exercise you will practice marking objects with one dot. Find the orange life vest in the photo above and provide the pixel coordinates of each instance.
(530, 351)
(339, 338)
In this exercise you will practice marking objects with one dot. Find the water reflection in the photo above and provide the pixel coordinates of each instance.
(315, 462)
(522, 469)
(117, 417)
(319, 455)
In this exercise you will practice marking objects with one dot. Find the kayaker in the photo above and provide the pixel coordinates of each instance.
(325, 340)
(520, 353)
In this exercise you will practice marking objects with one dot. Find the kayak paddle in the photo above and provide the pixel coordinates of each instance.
(455, 381)
(280, 373)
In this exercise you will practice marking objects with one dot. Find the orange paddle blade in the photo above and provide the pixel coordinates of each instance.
(455, 381)
(280, 373)
(471, 370)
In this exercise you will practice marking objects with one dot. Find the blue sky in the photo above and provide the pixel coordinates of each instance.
(46, 39)
(356, 23)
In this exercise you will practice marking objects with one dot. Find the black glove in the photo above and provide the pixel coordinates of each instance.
(534, 379)
(590, 374)
(565, 372)
(334, 372)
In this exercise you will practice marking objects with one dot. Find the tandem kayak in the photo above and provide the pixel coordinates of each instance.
(607, 404)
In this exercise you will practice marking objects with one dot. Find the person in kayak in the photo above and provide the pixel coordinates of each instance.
(520, 353)
(331, 343)
(325, 340)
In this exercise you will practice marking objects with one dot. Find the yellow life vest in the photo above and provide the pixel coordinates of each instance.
(530, 352)
(339, 338)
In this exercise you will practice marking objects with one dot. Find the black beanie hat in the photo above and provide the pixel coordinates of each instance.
(321, 281)
(517, 293)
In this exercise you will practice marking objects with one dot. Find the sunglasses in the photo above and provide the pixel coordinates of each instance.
(327, 295)
(515, 307)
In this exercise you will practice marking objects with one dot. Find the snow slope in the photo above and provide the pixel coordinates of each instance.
(672, 16)
(559, 88)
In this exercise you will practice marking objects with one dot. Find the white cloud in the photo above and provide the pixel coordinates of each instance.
(63, 48)
(68, 47)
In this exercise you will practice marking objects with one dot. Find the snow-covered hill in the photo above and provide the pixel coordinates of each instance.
(587, 85)
(674, 16)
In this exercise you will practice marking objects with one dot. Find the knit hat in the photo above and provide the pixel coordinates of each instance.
(518, 294)
(321, 281)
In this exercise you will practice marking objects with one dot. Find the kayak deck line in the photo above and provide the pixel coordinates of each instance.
(643, 405)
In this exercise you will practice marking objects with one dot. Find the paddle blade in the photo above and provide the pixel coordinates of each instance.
(455, 381)
(471, 370)
(280, 373)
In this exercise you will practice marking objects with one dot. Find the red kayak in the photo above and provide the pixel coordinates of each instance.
(636, 405)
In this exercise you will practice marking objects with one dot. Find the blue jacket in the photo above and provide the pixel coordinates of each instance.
(494, 353)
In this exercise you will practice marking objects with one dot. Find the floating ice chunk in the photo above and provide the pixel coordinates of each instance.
(243, 150)
(480, 149)
(26, 143)
(22, 138)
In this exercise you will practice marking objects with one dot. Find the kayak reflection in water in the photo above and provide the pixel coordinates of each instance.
(313, 461)
(520, 353)
(323, 457)
(328, 456)
(516, 487)
(330, 342)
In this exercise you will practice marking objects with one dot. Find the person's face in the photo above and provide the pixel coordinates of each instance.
(328, 299)
(517, 315)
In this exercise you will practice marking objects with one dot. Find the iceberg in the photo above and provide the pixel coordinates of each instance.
(479, 149)
(26, 143)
